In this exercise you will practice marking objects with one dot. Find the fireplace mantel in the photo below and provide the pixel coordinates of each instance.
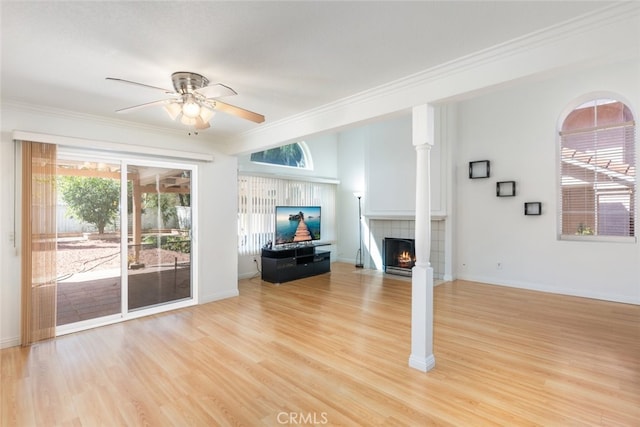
(434, 217)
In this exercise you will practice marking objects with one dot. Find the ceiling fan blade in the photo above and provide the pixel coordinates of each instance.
(236, 111)
(141, 106)
(139, 84)
(217, 90)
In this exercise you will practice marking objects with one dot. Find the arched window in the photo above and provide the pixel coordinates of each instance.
(293, 155)
(598, 171)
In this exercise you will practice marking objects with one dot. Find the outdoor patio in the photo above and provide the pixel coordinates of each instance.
(89, 284)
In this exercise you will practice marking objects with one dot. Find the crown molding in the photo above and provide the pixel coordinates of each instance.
(109, 146)
(74, 115)
(394, 96)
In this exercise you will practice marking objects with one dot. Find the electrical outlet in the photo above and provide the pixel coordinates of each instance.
(499, 266)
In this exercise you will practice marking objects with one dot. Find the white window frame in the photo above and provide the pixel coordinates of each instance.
(594, 238)
(306, 154)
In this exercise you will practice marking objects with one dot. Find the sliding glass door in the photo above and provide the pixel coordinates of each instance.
(159, 247)
(124, 239)
(88, 240)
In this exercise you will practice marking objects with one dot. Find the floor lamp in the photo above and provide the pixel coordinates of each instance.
(359, 263)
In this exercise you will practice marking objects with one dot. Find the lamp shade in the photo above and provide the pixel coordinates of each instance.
(191, 112)
(190, 108)
(173, 110)
(201, 124)
(189, 121)
(206, 114)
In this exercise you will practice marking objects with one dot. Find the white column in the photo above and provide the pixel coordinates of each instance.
(422, 357)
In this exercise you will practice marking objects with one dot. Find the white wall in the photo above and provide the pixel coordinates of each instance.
(9, 267)
(217, 193)
(379, 160)
(516, 130)
(218, 229)
(390, 168)
(351, 170)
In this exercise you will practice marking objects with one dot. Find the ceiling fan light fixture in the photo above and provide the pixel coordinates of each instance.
(190, 108)
(206, 114)
(201, 124)
(194, 101)
(173, 110)
(186, 120)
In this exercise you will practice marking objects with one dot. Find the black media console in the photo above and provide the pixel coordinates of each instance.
(294, 262)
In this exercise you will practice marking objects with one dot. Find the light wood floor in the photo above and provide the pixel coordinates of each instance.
(333, 350)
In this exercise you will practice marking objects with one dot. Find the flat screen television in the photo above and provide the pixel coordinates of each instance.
(297, 224)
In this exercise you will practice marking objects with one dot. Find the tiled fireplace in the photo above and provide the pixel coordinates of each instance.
(379, 229)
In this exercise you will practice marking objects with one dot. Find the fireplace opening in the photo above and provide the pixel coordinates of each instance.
(399, 255)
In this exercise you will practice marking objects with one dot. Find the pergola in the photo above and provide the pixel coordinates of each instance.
(143, 180)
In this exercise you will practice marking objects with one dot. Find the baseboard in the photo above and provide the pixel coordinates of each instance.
(546, 288)
(249, 275)
(218, 296)
(9, 342)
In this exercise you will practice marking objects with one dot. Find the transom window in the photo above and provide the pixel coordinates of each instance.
(598, 171)
(294, 155)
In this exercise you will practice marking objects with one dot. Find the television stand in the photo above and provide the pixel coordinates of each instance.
(294, 262)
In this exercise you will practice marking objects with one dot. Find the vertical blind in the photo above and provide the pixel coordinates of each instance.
(38, 241)
(598, 170)
(257, 198)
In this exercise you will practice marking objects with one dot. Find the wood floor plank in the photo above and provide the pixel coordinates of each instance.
(333, 350)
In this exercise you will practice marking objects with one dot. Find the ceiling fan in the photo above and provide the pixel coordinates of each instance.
(194, 100)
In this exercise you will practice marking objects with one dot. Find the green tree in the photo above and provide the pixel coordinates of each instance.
(286, 155)
(166, 202)
(90, 199)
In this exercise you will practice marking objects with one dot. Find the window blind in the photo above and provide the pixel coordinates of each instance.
(257, 198)
(39, 197)
(598, 171)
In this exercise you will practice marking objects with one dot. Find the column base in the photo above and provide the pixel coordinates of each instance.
(423, 364)
(421, 356)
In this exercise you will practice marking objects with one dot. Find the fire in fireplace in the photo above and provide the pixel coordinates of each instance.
(399, 255)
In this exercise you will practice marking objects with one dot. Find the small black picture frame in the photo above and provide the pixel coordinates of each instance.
(506, 188)
(479, 169)
(533, 208)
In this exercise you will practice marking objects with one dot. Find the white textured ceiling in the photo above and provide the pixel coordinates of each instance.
(283, 58)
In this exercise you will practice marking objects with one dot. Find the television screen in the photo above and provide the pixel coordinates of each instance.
(297, 224)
